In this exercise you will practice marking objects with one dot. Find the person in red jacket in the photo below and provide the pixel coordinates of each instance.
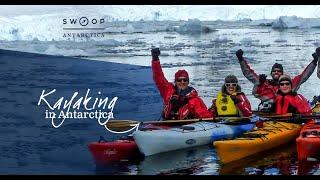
(180, 100)
(288, 101)
(266, 89)
(230, 101)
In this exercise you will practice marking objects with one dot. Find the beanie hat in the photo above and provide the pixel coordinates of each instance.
(278, 66)
(181, 73)
(285, 77)
(231, 79)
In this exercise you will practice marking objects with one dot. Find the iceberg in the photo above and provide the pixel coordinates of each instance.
(285, 22)
(193, 26)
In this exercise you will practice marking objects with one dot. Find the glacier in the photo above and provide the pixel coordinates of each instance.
(45, 23)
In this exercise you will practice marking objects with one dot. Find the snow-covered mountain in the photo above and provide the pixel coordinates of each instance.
(165, 12)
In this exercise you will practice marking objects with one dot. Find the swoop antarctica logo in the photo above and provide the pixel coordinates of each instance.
(58, 110)
(83, 27)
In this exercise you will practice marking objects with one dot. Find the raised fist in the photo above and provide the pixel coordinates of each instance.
(315, 58)
(262, 78)
(318, 51)
(239, 54)
(155, 53)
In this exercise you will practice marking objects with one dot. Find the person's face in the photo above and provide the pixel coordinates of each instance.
(285, 87)
(231, 87)
(182, 83)
(276, 73)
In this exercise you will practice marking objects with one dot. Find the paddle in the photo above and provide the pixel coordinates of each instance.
(118, 122)
(127, 124)
(294, 118)
(123, 125)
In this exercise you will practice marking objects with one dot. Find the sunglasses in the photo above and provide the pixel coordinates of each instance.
(282, 84)
(277, 71)
(184, 80)
(231, 84)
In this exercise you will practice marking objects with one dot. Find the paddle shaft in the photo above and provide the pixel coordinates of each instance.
(125, 124)
(193, 120)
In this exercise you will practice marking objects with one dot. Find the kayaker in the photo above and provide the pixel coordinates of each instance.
(289, 101)
(230, 101)
(266, 89)
(180, 100)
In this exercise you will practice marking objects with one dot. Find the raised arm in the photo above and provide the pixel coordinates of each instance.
(306, 73)
(247, 71)
(158, 76)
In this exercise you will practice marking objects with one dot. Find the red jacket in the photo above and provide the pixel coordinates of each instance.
(268, 90)
(291, 103)
(194, 108)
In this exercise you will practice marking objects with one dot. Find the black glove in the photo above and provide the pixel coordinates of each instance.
(318, 52)
(235, 99)
(175, 102)
(315, 58)
(239, 54)
(155, 53)
(262, 78)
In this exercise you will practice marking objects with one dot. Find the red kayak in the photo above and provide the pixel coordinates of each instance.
(106, 152)
(308, 143)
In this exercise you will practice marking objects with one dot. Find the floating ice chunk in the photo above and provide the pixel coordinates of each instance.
(54, 50)
(285, 22)
(248, 41)
(169, 37)
(193, 26)
(221, 39)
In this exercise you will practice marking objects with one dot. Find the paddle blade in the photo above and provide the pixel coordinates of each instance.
(121, 125)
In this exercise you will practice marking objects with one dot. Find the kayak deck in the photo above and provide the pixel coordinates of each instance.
(196, 134)
(106, 152)
(271, 135)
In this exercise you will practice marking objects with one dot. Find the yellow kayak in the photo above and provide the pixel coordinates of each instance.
(271, 135)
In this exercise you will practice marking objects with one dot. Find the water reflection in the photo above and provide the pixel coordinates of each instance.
(278, 161)
(203, 160)
(187, 161)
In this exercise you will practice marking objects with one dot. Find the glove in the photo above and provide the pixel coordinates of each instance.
(318, 52)
(315, 58)
(234, 99)
(262, 78)
(239, 54)
(175, 102)
(155, 53)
